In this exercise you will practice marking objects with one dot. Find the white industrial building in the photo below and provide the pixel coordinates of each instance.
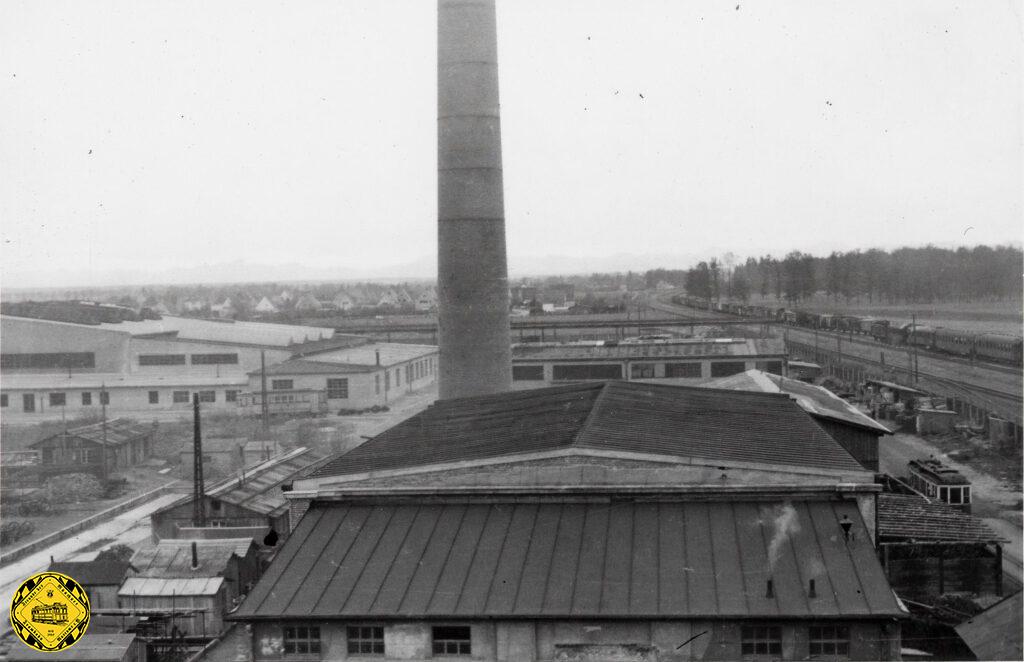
(676, 360)
(52, 369)
(358, 377)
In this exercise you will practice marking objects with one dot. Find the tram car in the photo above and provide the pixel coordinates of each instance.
(937, 481)
(299, 402)
(55, 614)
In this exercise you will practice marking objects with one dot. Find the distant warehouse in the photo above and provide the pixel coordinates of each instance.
(540, 364)
(56, 368)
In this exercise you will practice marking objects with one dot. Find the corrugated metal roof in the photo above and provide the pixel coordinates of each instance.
(93, 573)
(621, 416)
(260, 491)
(366, 355)
(654, 350)
(996, 633)
(172, 558)
(118, 431)
(903, 517)
(156, 587)
(576, 560)
(815, 400)
(313, 367)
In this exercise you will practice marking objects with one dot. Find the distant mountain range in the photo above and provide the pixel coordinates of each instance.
(240, 271)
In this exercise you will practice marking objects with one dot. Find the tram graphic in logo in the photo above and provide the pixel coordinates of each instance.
(50, 611)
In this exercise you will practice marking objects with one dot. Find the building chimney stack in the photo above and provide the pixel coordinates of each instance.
(472, 271)
(195, 556)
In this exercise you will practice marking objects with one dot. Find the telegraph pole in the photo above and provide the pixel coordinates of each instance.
(264, 405)
(913, 332)
(103, 453)
(198, 488)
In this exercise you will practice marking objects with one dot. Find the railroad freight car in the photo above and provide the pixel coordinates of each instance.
(952, 341)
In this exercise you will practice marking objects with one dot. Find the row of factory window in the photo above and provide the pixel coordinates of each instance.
(179, 359)
(585, 371)
(47, 360)
(756, 641)
(59, 399)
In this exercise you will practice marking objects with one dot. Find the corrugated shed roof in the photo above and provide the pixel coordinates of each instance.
(996, 633)
(93, 573)
(366, 354)
(260, 491)
(653, 350)
(118, 431)
(574, 560)
(910, 517)
(815, 400)
(172, 558)
(156, 587)
(620, 416)
(114, 381)
(91, 648)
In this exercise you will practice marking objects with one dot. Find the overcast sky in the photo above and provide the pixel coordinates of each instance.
(163, 140)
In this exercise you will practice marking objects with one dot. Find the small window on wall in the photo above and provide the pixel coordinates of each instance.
(365, 640)
(641, 371)
(282, 384)
(761, 640)
(180, 397)
(337, 389)
(207, 396)
(771, 367)
(726, 368)
(829, 640)
(154, 397)
(452, 640)
(302, 640)
(230, 396)
(683, 370)
(58, 399)
(3, 400)
(86, 399)
(527, 373)
(104, 398)
(376, 384)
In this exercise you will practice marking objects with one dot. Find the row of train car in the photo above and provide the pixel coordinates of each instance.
(982, 346)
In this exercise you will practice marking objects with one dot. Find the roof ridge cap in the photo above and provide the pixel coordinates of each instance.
(591, 415)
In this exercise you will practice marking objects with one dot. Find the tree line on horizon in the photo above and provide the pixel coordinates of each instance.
(904, 275)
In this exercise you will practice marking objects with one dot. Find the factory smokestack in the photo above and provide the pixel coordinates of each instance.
(472, 278)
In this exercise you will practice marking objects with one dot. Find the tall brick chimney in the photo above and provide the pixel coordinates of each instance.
(472, 272)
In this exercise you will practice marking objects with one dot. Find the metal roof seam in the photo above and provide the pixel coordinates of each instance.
(320, 513)
(391, 567)
(526, 556)
(604, 556)
(472, 559)
(796, 564)
(554, 548)
(369, 558)
(714, 568)
(497, 562)
(745, 591)
(447, 557)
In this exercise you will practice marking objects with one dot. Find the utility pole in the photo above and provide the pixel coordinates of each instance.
(198, 488)
(913, 344)
(103, 452)
(264, 405)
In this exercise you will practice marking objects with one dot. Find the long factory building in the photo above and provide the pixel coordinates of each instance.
(52, 369)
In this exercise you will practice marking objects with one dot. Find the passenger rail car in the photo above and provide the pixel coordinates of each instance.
(292, 403)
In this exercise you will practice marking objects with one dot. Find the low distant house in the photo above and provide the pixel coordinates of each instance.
(427, 300)
(996, 633)
(208, 575)
(90, 648)
(125, 443)
(307, 303)
(342, 301)
(249, 504)
(224, 309)
(265, 307)
(855, 431)
(560, 295)
(100, 579)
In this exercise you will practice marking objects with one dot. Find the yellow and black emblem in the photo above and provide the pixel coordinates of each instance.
(50, 611)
